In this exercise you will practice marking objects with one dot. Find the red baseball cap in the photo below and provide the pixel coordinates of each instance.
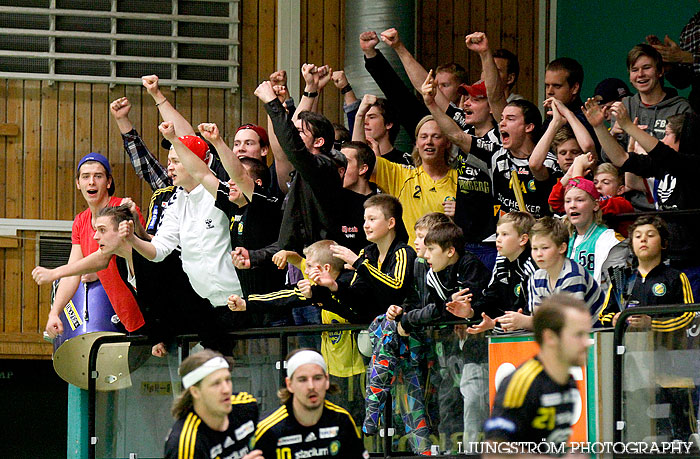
(198, 146)
(585, 185)
(261, 132)
(478, 89)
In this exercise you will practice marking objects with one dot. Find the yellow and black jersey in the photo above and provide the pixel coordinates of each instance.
(530, 406)
(662, 285)
(280, 436)
(386, 283)
(190, 438)
(159, 202)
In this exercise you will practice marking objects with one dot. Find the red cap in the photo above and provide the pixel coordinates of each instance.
(583, 184)
(198, 146)
(262, 133)
(478, 89)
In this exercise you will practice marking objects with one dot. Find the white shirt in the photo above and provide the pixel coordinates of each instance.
(193, 222)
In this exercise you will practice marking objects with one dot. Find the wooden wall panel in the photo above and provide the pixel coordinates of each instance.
(510, 24)
(61, 122)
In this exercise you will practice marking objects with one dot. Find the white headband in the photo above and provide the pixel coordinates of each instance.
(304, 357)
(204, 370)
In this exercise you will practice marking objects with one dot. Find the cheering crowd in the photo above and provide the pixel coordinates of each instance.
(495, 213)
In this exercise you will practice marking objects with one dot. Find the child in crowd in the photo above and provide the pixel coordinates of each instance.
(607, 181)
(565, 136)
(339, 348)
(556, 273)
(453, 273)
(393, 354)
(592, 244)
(507, 290)
(654, 283)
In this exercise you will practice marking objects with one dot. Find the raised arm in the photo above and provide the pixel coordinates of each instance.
(415, 71)
(145, 164)
(583, 137)
(310, 95)
(358, 130)
(194, 165)
(447, 125)
(232, 164)
(495, 89)
(539, 154)
(167, 111)
(645, 140)
(608, 143)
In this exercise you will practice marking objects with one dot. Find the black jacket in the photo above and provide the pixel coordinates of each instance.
(310, 208)
(468, 272)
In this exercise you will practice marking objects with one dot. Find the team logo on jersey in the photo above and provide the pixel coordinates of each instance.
(335, 447)
(531, 185)
(289, 440)
(328, 432)
(335, 336)
(516, 290)
(659, 289)
(245, 429)
(208, 222)
(310, 437)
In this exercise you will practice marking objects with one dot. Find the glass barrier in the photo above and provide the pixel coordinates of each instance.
(430, 390)
(659, 375)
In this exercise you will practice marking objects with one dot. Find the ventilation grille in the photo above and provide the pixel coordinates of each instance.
(185, 43)
(54, 251)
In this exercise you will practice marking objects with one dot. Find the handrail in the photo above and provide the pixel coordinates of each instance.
(620, 329)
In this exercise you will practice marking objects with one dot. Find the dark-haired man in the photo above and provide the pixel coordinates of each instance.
(356, 189)
(212, 421)
(537, 401)
(377, 122)
(310, 211)
(308, 425)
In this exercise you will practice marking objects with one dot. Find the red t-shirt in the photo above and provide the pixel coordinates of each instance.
(120, 296)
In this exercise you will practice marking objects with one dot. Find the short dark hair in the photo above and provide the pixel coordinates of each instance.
(320, 128)
(551, 313)
(658, 223)
(455, 69)
(513, 65)
(446, 235)
(390, 116)
(364, 154)
(572, 66)
(644, 49)
(390, 206)
(342, 135)
(118, 214)
(531, 115)
(675, 124)
(257, 169)
(551, 227)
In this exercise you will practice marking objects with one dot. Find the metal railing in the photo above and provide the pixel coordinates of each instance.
(620, 349)
(280, 333)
